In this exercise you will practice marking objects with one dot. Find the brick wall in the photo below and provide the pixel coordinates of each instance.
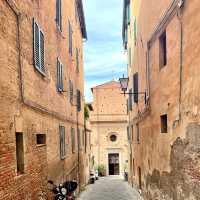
(42, 108)
(163, 157)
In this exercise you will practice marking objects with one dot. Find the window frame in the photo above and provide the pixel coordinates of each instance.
(59, 69)
(70, 32)
(39, 68)
(164, 123)
(62, 135)
(163, 50)
(59, 14)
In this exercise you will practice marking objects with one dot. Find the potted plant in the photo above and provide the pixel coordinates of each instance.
(102, 170)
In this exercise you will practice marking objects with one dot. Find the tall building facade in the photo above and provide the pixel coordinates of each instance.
(41, 95)
(109, 144)
(161, 39)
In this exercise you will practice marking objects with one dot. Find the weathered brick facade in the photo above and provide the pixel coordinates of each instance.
(29, 101)
(165, 136)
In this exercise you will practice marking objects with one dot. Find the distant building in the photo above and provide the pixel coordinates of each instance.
(41, 95)
(109, 144)
(162, 43)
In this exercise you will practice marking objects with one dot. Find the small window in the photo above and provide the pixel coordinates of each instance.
(38, 46)
(113, 138)
(62, 142)
(59, 14)
(40, 139)
(70, 38)
(59, 76)
(163, 50)
(20, 153)
(163, 119)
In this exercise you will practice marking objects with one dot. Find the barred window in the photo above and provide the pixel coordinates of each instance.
(62, 142)
(59, 14)
(59, 76)
(38, 46)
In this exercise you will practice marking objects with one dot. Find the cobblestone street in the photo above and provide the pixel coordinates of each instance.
(110, 188)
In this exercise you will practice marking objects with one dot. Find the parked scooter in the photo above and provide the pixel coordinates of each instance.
(64, 191)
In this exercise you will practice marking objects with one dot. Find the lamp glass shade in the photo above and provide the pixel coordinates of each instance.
(124, 83)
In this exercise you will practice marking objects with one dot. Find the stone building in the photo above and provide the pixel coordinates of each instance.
(41, 95)
(109, 144)
(162, 43)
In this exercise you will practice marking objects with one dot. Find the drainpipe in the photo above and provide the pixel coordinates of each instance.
(18, 20)
(179, 16)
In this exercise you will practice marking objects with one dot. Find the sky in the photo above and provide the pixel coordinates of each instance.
(104, 57)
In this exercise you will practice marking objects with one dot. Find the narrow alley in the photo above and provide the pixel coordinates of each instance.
(110, 188)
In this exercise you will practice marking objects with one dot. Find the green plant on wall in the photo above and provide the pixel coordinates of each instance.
(86, 113)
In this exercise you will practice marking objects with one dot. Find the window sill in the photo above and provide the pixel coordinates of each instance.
(19, 175)
(59, 31)
(41, 145)
(40, 71)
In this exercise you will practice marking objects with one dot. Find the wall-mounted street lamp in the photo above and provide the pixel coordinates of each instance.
(124, 86)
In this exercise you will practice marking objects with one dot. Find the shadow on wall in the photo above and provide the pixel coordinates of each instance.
(183, 182)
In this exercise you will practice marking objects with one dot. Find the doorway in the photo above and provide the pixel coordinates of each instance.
(113, 163)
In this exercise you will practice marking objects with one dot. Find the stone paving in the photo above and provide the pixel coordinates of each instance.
(110, 188)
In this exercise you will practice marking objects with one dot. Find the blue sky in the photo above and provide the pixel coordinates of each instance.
(104, 58)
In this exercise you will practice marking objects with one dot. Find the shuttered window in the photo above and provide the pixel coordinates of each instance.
(73, 140)
(71, 91)
(70, 37)
(59, 76)
(128, 13)
(79, 139)
(38, 46)
(62, 142)
(59, 14)
(130, 99)
(77, 60)
(128, 134)
(135, 30)
(78, 99)
(135, 87)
